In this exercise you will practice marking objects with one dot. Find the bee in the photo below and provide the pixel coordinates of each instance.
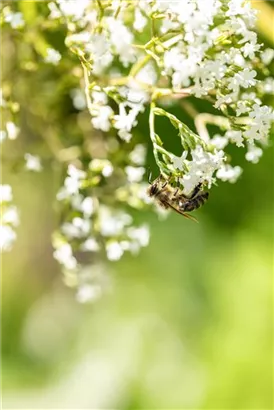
(169, 197)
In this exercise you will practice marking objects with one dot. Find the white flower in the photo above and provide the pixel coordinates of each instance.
(7, 237)
(140, 21)
(178, 162)
(78, 228)
(99, 47)
(3, 135)
(5, 193)
(12, 130)
(33, 162)
(261, 113)
(10, 216)
(267, 56)
(15, 19)
(219, 142)
(72, 186)
(141, 234)
(90, 245)
(107, 170)
(241, 108)
(245, 79)
(54, 11)
(114, 251)
(3, 102)
(112, 224)
(226, 99)
(78, 99)
(250, 49)
(184, 67)
(262, 117)
(100, 52)
(147, 75)
(125, 135)
(87, 207)
(124, 122)
(72, 183)
(64, 256)
(268, 86)
(53, 56)
(239, 8)
(236, 137)
(88, 293)
(201, 168)
(102, 165)
(82, 38)
(235, 56)
(99, 97)
(138, 155)
(76, 173)
(72, 8)
(102, 119)
(253, 154)
(134, 174)
(121, 38)
(229, 173)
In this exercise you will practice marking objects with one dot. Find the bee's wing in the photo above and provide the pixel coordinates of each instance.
(190, 217)
(181, 212)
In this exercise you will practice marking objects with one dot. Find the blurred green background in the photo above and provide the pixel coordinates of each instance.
(187, 324)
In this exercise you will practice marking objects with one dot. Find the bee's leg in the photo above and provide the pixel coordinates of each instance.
(195, 191)
(166, 182)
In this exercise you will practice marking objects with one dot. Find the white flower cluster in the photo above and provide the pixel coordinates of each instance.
(9, 218)
(209, 47)
(202, 167)
(93, 225)
(15, 19)
(9, 213)
(134, 54)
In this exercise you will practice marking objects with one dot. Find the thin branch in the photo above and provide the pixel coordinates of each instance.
(87, 89)
(139, 65)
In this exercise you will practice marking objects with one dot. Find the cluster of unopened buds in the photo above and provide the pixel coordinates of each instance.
(151, 53)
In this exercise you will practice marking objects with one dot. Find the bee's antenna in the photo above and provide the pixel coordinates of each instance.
(149, 175)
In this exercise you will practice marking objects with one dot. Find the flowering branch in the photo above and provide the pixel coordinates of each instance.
(132, 55)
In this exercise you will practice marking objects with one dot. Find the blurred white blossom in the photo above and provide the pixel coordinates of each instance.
(12, 130)
(5, 193)
(114, 251)
(64, 256)
(33, 163)
(228, 173)
(53, 56)
(16, 20)
(3, 135)
(9, 218)
(7, 237)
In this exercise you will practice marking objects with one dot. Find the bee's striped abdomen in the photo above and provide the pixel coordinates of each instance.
(194, 203)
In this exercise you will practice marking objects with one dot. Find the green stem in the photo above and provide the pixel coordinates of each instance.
(101, 9)
(139, 65)
(87, 89)
(156, 147)
(117, 11)
(201, 121)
